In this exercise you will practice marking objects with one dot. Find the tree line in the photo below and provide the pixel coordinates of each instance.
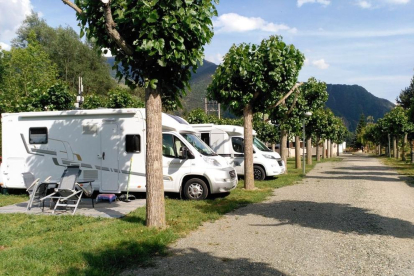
(157, 45)
(394, 133)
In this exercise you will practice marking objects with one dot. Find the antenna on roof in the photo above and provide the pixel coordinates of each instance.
(79, 98)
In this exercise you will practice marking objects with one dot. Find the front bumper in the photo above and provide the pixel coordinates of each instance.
(224, 181)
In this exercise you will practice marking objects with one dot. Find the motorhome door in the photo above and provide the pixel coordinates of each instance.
(109, 169)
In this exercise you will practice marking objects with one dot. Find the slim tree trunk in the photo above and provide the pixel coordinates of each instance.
(155, 216)
(318, 142)
(329, 149)
(403, 146)
(324, 149)
(283, 149)
(297, 153)
(309, 151)
(394, 147)
(337, 150)
(248, 147)
(273, 147)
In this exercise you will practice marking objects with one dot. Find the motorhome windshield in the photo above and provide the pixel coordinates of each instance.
(199, 145)
(260, 145)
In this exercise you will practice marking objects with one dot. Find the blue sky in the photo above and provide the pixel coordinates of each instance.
(364, 42)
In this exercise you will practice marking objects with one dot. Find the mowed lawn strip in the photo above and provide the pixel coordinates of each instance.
(79, 245)
(402, 167)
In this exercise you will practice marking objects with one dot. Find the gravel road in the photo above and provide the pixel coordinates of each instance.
(353, 217)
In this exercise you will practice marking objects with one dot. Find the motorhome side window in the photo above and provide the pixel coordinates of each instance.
(238, 144)
(38, 135)
(133, 143)
(206, 138)
(172, 146)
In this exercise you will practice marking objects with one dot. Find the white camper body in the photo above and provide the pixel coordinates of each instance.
(228, 141)
(103, 142)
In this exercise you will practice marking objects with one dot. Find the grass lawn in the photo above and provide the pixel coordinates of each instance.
(78, 245)
(402, 167)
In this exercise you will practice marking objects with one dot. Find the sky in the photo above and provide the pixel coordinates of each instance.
(364, 42)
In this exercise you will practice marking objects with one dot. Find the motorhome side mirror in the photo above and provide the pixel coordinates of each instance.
(186, 153)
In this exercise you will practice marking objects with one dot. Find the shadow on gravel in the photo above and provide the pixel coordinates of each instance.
(341, 218)
(193, 262)
(367, 173)
(356, 177)
(365, 168)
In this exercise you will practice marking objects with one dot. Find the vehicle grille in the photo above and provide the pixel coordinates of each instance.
(232, 174)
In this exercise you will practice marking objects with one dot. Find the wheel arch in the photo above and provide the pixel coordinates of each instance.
(187, 177)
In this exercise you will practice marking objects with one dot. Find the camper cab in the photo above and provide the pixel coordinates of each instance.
(103, 143)
(228, 141)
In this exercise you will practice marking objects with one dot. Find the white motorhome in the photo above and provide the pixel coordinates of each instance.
(228, 141)
(103, 142)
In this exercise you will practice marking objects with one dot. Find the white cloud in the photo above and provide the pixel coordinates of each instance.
(364, 4)
(232, 22)
(321, 64)
(5, 46)
(12, 14)
(322, 2)
(368, 4)
(217, 58)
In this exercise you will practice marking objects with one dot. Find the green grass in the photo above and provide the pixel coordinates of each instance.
(78, 245)
(402, 167)
(12, 199)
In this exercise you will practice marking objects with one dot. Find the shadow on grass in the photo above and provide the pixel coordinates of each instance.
(182, 262)
(341, 218)
(112, 261)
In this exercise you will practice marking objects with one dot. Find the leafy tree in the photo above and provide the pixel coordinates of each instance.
(73, 57)
(360, 130)
(120, 98)
(56, 97)
(93, 101)
(398, 125)
(197, 116)
(25, 71)
(160, 42)
(254, 78)
(406, 96)
(318, 125)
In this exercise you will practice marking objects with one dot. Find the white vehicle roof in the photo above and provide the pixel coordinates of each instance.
(169, 122)
(231, 130)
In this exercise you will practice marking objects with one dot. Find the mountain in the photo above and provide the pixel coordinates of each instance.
(345, 101)
(350, 101)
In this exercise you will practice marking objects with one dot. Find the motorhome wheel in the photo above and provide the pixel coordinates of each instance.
(195, 189)
(259, 173)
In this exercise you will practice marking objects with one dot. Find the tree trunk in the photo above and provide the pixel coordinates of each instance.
(394, 147)
(318, 142)
(154, 176)
(309, 151)
(379, 149)
(248, 148)
(328, 145)
(337, 150)
(403, 146)
(283, 149)
(324, 149)
(297, 153)
(273, 147)
(331, 153)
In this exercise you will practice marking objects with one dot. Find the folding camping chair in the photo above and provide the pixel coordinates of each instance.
(66, 194)
(35, 189)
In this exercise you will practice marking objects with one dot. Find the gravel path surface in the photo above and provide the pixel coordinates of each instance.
(354, 217)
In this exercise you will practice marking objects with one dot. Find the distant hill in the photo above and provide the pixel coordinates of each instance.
(349, 101)
(346, 101)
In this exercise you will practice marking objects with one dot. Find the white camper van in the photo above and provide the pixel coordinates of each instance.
(103, 142)
(228, 142)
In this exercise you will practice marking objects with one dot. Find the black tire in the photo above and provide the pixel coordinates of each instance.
(195, 189)
(259, 173)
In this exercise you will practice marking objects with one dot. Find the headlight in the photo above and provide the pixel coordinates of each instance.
(268, 156)
(212, 161)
